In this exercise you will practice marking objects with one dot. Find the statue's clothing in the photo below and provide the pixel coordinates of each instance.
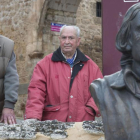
(118, 98)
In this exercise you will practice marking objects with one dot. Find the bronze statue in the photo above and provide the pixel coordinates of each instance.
(118, 95)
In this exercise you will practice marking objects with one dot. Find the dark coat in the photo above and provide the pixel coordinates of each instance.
(9, 79)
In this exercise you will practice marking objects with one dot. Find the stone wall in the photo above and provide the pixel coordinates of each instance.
(13, 24)
(28, 23)
(18, 21)
(91, 31)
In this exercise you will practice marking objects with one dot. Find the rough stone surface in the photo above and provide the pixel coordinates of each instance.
(95, 127)
(28, 129)
(23, 88)
(91, 41)
(54, 129)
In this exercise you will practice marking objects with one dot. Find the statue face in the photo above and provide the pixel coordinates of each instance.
(135, 37)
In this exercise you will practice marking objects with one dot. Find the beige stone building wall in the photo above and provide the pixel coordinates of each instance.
(28, 23)
(13, 24)
(18, 21)
(91, 32)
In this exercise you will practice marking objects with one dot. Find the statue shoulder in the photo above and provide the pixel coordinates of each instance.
(107, 80)
(113, 77)
(99, 88)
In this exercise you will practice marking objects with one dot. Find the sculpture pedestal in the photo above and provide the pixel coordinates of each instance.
(75, 133)
(33, 129)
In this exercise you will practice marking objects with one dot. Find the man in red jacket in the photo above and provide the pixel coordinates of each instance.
(59, 88)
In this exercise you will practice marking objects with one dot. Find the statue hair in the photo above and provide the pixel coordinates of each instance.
(123, 43)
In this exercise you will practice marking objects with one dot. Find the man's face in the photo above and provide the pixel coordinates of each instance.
(68, 40)
(135, 37)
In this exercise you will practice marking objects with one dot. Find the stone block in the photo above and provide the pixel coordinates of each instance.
(85, 21)
(70, 20)
(61, 13)
(49, 17)
(97, 20)
(23, 88)
(69, 14)
(45, 38)
(52, 129)
(50, 11)
(55, 40)
(72, 2)
(26, 0)
(56, 5)
(55, 33)
(36, 54)
(58, 18)
(69, 8)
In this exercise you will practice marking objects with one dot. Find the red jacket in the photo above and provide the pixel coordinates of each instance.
(54, 93)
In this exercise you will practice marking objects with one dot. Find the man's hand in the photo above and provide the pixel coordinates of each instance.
(8, 116)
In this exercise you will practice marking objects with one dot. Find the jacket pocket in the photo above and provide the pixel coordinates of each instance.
(89, 111)
(51, 113)
(52, 108)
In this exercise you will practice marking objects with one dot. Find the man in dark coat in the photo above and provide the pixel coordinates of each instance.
(9, 81)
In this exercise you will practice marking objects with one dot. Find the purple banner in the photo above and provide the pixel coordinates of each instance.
(56, 27)
(113, 12)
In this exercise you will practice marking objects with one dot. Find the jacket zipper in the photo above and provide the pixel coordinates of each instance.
(71, 73)
(72, 67)
(71, 70)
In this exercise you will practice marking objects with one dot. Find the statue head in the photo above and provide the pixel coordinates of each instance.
(124, 39)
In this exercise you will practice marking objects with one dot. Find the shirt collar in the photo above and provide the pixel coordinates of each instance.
(57, 56)
(74, 56)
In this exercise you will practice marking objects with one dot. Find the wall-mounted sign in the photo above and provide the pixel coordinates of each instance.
(56, 27)
(131, 0)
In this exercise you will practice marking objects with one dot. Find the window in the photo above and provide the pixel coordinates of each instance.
(98, 9)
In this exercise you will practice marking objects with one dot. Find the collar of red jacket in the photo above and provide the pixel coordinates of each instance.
(57, 56)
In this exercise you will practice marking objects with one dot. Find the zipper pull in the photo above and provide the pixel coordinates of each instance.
(71, 70)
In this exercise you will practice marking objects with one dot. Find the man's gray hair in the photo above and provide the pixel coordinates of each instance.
(75, 27)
